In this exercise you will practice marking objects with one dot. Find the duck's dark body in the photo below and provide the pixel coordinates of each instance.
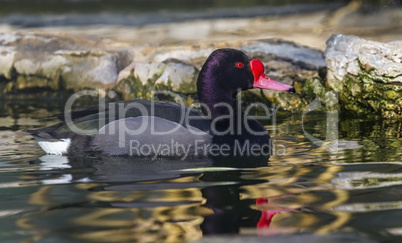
(91, 119)
(165, 117)
(143, 128)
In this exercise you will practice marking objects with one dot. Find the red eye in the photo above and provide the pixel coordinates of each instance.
(239, 65)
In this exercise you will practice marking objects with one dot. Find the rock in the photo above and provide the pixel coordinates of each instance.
(7, 54)
(367, 74)
(138, 78)
(57, 63)
(31, 62)
(305, 57)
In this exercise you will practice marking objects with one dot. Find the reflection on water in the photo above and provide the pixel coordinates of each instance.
(307, 190)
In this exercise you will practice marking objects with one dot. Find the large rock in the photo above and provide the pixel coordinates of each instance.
(57, 63)
(139, 78)
(366, 74)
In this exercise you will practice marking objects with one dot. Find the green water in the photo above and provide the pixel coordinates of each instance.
(307, 189)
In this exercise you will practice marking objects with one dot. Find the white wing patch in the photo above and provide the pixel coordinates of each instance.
(56, 147)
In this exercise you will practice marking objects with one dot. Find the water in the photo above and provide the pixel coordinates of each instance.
(307, 189)
(43, 13)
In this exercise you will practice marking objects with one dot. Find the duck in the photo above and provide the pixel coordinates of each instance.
(157, 129)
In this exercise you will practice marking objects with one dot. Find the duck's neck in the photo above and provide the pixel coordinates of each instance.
(219, 104)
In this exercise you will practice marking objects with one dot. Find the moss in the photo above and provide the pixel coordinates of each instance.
(189, 87)
(132, 88)
(313, 88)
(367, 94)
(355, 89)
(392, 95)
(31, 81)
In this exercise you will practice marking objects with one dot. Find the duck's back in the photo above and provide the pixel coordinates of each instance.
(87, 130)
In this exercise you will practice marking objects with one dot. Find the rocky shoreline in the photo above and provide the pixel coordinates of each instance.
(362, 76)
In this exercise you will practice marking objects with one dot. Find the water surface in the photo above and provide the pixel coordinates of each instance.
(306, 188)
(44, 13)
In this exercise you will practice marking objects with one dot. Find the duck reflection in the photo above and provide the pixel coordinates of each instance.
(142, 199)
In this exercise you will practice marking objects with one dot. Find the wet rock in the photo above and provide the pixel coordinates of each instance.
(138, 78)
(367, 74)
(57, 63)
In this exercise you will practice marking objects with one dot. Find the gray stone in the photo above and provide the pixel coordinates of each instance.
(178, 76)
(138, 79)
(353, 55)
(57, 62)
(367, 74)
(304, 56)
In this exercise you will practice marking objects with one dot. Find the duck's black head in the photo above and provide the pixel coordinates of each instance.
(228, 71)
